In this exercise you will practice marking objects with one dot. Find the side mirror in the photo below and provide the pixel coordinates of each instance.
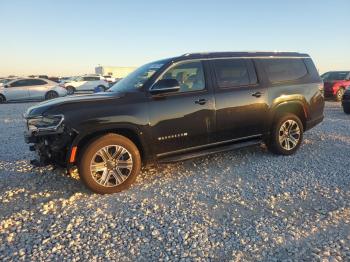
(6, 86)
(165, 86)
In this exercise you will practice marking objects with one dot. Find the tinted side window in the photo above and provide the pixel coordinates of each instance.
(20, 83)
(190, 76)
(231, 72)
(37, 82)
(279, 70)
(90, 78)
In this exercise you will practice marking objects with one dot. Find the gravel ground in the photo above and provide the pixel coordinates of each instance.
(241, 205)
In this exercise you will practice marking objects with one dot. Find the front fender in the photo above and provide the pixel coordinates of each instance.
(81, 137)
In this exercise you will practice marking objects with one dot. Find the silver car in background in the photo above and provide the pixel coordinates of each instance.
(30, 89)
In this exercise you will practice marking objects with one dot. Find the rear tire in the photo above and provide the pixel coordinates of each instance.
(339, 94)
(2, 99)
(346, 109)
(286, 135)
(102, 88)
(109, 164)
(51, 95)
(70, 90)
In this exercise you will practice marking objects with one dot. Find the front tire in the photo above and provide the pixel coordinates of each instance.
(2, 99)
(109, 164)
(286, 135)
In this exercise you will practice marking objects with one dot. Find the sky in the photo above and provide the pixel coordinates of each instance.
(64, 38)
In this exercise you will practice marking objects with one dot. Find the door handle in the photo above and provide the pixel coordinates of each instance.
(257, 94)
(201, 101)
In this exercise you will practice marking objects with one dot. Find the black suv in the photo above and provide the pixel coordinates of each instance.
(179, 108)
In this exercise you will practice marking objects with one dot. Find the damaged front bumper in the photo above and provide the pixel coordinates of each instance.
(51, 145)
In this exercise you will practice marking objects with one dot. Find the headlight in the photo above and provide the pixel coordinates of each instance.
(45, 123)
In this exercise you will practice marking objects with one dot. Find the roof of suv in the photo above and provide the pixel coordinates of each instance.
(242, 54)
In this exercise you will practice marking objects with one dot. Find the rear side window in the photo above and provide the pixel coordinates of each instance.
(280, 70)
(234, 72)
(37, 82)
(90, 78)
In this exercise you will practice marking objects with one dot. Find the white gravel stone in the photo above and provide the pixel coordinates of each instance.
(236, 206)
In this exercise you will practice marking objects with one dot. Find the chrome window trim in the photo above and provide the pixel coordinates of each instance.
(225, 58)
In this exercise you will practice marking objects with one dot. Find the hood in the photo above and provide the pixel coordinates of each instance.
(43, 107)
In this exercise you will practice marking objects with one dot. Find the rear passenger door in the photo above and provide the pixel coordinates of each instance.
(240, 99)
(37, 89)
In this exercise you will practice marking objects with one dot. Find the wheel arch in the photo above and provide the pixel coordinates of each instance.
(294, 107)
(50, 91)
(3, 96)
(80, 141)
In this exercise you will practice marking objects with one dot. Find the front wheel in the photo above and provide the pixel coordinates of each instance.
(286, 135)
(2, 99)
(109, 164)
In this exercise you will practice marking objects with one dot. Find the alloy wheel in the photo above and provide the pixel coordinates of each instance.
(289, 135)
(111, 165)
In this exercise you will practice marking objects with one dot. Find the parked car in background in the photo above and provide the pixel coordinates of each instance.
(109, 79)
(39, 76)
(179, 108)
(54, 79)
(65, 79)
(3, 81)
(346, 100)
(335, 83)
(85, 83)
(30, 89)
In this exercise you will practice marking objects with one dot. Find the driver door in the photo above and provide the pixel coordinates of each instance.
(184, 119)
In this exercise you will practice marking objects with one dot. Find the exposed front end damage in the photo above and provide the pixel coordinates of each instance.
(52, 145)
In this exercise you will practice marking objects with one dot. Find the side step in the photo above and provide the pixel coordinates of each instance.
(209, 151)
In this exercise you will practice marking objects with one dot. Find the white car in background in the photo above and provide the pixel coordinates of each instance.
(30, 89)
(109, 79)
(85, 83)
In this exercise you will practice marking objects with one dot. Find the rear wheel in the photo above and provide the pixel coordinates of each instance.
(70, 90)
(340, 94)
(286, 135)
(2, 99)
(51, 95)
(109, 164)
(346, 109)
(102, 88)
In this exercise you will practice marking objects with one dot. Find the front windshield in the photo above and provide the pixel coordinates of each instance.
(136, 79)
(332, 76)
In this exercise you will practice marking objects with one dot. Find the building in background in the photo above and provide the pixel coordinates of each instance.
(114, 71)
